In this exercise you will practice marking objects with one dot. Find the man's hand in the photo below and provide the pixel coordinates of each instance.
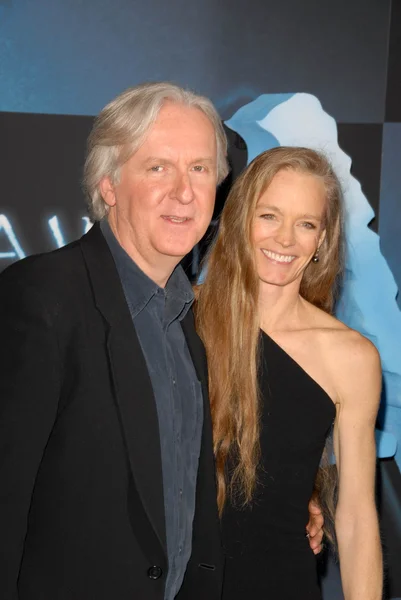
(314, 528)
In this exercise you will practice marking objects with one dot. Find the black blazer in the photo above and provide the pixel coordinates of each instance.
(81, 498)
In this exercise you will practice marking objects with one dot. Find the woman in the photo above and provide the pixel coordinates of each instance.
(282, 371)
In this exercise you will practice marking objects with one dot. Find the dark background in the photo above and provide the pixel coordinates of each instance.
(61, 62)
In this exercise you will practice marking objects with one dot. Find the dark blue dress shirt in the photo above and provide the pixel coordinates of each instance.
(156, 314)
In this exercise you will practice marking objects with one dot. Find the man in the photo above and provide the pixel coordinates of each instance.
(105, 438)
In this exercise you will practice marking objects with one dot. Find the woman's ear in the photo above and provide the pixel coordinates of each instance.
(321, 238)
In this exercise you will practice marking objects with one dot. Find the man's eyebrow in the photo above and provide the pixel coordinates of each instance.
(159, 159)
(205, 159)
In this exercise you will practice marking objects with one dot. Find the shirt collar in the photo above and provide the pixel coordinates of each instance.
(141, 287)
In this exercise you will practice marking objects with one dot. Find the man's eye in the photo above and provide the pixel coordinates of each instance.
(199, 168)
(156, 168)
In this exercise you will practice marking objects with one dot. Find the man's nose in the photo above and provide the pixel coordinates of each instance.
(183, 189)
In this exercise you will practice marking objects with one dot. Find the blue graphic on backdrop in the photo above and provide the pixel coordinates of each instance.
(367, 303)
(73, 57)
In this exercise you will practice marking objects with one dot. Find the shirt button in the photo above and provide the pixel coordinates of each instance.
(180, 550)
(180, 492)
(173, 381)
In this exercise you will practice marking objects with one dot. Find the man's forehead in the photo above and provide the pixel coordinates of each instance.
(179, 116)
(191, 137)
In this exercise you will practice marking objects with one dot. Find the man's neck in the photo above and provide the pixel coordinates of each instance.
(159, 270)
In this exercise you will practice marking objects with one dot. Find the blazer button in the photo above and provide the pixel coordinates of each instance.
(155, 572)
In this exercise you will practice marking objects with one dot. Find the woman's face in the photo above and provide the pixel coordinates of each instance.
(288, 226)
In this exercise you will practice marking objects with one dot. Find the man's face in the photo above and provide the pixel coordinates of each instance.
(164, 200)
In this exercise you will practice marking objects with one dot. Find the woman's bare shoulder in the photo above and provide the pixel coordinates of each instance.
(346, 348)
(353, 364)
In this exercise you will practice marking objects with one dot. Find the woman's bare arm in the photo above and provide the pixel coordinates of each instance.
(358, 381)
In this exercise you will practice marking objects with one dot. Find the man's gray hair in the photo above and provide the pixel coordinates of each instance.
(121, 127)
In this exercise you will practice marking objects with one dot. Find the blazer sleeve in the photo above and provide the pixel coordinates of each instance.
(29, 391)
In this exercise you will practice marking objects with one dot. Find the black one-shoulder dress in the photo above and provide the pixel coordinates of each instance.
(267, 553)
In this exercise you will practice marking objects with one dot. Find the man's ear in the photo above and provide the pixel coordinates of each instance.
(107, 191)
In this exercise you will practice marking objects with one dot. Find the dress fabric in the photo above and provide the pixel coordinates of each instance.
(267, 553)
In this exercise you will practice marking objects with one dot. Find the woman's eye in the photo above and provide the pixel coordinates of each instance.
(308, 225)
(268, 216)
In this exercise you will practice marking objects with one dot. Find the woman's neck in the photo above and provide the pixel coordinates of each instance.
(280, 307)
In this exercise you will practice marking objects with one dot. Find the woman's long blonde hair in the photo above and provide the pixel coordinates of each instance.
(228, 320)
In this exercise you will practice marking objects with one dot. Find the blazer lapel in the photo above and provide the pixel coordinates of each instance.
(196, 350)
(133, 390)
(208, 539)
(206, 471)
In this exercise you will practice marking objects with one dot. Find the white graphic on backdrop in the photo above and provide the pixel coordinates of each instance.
(10, 246)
